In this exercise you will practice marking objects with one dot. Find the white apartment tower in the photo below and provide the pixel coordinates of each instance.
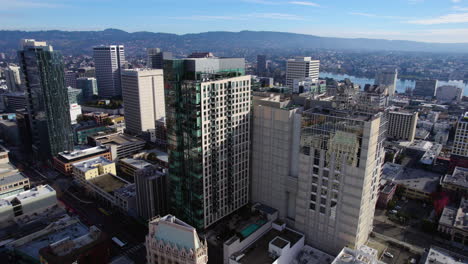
(143, 96)
(13, 78)
(170, 240)
(460, 142)
(300, 68)
(402, 125)
(388, 79)
(109, 61)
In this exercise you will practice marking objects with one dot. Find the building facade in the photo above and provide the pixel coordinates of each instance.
(13, 78)
(47, 99)
(208, 127)
(143, 96)
(387, 78)
(300, 68)
(261, 65)
(460, 142)
(109, 61)
(156, 58)
(402, 125)
(88, 86)
(425, 88)
(171, 240)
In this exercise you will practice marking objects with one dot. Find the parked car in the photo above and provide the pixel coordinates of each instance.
(388, 254)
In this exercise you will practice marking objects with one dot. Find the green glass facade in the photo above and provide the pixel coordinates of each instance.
(47, 101)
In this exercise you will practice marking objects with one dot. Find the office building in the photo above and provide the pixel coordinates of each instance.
(121, 145)
(156, 58)
(460, 142)
(75, 96)
(425, 88)
(12, 181)
(449, 94)
(13, 78)
(170, 232)
(70, 79)
(151, 187)
(442, 256)
(15, 101)
(208, 128)
(143, 96)
(75, 112)
(109, 62)
(341, 155)
(402, 125)
(47, 99)
(88, 86)
(64, 161)
(388, 79)
(275, 148)
(261, 65)
(452, 223)
(300, 68)
(88, 169)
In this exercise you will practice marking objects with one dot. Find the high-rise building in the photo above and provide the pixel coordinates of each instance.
(425, 88)
(275, 151)
(402, 125)
(460, 142)
(47, 99)
(88, 86)
(449, 94)
(170, 232)
(387, 78)
(300, 68)
(109, 62)
(341, 155)
(143, 96)
(13, 78)
(156, 58)
(208, 126)
(70, 79)
(75, 96)
(261, 65)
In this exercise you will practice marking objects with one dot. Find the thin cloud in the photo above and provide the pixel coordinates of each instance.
(456, 1)
(446, 19)
(279, 16)
(262, 2)
(303, 3)
(375, 15)
(27, 4)
(276, 16)
(459, 8)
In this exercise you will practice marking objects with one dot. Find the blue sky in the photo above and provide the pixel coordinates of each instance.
(421, 20)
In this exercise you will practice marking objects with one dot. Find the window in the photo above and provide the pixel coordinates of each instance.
(314, 179)
(312, 206)
(315, 170)
(323, 201)
(314, 188)
(313, 197)
(322, 210)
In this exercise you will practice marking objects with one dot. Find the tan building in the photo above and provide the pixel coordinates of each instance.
(402, 125)
(172, 241)
(86, 170)
(64, 161)
(460, 143)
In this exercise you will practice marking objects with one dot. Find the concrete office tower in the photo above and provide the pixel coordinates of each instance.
(402, 125)
(449, 94)
(460, 143)
(70, 79)
(387, 78)
(300, 68)
(13, 78)
(109, 62)
(179, 240)
(340, 159)
(47, 99)
(156, 58)
(88, 86)
(208, 127)
(275, 150)
(425, 88)
(261, 65)
(143, 96)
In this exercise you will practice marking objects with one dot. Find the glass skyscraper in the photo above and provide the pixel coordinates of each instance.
(47, 99)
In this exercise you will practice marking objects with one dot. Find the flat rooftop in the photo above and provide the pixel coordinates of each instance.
(91, 163)
(136, 163)
(12, 178)
(391, 171)
(461, 218)
(363, 255)
(420, 180)
(33, 193)
(108, 182)
(73, 231)
(310, 255)
(118, 139)
(127, 191)
(448, 216)
(258, 251)
(81, 153)
(442, 256)
(7, 169)
(459, 177)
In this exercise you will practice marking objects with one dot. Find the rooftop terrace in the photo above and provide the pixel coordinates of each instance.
(108, 182)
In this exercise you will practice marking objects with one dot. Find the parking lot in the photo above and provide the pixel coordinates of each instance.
(400, 255)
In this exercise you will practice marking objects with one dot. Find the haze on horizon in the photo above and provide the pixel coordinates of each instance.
(444, 21)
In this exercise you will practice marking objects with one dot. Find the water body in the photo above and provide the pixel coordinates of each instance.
(401, 84)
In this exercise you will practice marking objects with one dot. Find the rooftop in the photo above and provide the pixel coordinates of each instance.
(91, 163)
(448, 216)
(81, 153)
(126, 191)
(118, 139)
(172, 230)
(33, 193)
(12, 178)
(136, 163)
(310, 255)
(420, 180)
(459, 177)
(364, 255)
(442, 256)
(108, 182)
(461, 218)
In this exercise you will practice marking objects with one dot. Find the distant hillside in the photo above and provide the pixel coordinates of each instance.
(223, 43)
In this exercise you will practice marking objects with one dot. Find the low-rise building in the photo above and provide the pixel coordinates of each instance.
(437, 255)
(121, 145)
(454, 223)
(64, 161)
(171, 240)
(114, 190)
(457, 182)
(386, 194)
(84, 171)
(92, 247)
(363, 255)
(12, 183)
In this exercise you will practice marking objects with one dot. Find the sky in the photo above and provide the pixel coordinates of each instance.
(420, 20)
